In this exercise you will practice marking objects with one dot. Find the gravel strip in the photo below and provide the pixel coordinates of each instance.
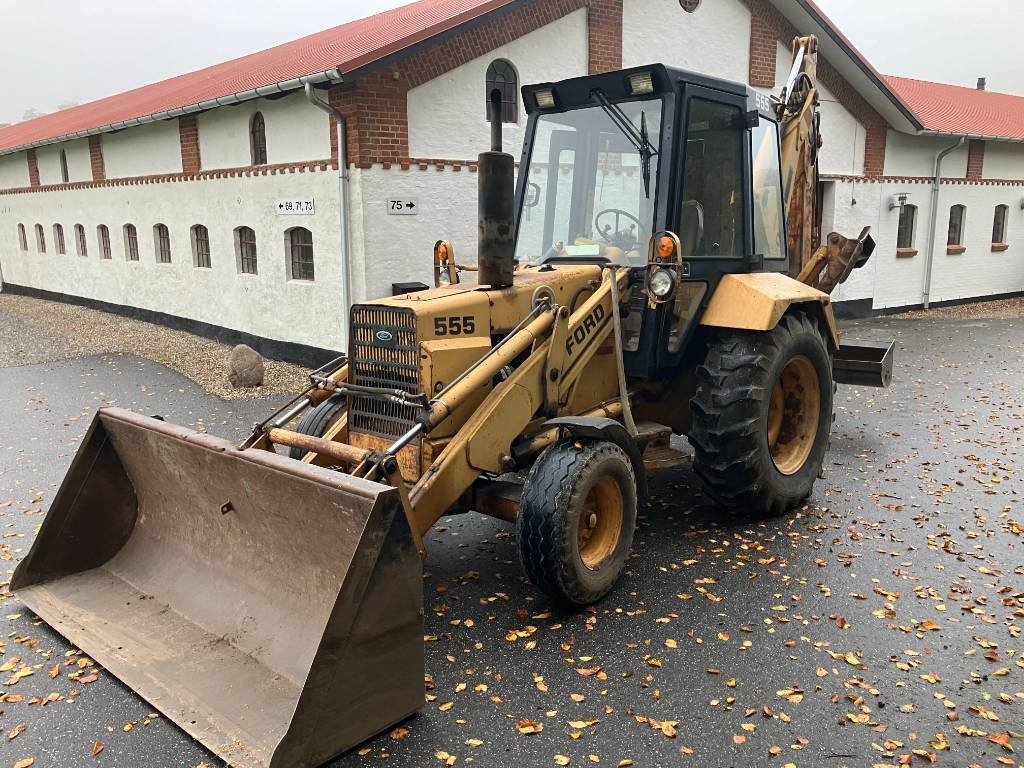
(35, 330)
(1001, 309)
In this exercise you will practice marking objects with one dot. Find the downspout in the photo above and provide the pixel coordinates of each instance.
(346, 270)
(933, 220)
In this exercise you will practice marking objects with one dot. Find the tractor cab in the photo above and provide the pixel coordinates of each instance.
(612, 160)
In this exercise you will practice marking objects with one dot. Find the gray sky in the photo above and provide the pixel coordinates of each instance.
(78, 51)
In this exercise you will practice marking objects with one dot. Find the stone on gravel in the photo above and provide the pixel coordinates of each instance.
(245, 367)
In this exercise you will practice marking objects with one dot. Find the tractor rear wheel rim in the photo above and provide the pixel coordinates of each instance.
(793, 415)
(600, 523)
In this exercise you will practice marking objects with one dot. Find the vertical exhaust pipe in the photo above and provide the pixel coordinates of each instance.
(496, 205)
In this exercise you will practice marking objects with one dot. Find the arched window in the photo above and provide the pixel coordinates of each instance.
(131, 242)
(299, 242)
(64, 175)
(258, 139)
(81, 245)
(245, 250)
(58, 239)
(502, 76)
(908, 228)
(162, 243)
(957, 217)
(999, 225)
(40, 239)
(103, 238)
(22, 238)
(200, 246)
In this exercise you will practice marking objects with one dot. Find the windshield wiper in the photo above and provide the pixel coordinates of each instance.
(639, 139)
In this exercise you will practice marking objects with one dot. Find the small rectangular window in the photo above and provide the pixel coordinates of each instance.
(80, 242)
(103, 237)
(300, 243)
(58, 239)
(999, 225)
(956, 225)
(162, 243)
(131, 242)
(245, 244)
(908, 224)
(201, 246)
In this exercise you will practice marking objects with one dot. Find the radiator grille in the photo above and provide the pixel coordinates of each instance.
(384, 353)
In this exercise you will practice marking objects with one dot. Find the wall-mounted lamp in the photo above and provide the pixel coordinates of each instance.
(898, 201)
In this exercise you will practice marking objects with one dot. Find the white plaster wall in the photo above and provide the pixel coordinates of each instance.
(389, 249)
(715, 40)
(855, 206)
(79, 164)
(296, 131)
(1004, 160)
(14, 171)
(447, 115)
(907, 155)
(267, 304)
(142, 151)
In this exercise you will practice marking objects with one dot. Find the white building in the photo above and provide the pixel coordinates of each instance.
(172, 199)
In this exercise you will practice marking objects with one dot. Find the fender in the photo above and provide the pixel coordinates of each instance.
(601, 428)
(757, 301)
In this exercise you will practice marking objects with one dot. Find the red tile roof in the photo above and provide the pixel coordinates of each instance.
(346, 48)
(954, 109)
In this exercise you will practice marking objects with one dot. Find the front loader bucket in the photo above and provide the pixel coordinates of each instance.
(272, 609)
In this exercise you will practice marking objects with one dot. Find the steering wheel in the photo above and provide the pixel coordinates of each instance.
(614, 236)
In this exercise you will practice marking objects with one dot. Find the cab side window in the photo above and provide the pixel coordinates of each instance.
(712, 218)
(769, 223)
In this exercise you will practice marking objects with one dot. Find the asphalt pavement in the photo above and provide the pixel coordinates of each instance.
(878, 625)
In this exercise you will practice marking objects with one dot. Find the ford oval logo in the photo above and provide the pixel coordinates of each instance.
(385, 337)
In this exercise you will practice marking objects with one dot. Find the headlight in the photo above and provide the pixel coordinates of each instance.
(662, 282)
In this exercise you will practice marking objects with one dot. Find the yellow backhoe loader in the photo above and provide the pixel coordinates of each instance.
(655, 272)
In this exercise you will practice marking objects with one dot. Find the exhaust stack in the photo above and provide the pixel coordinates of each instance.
(496, 201)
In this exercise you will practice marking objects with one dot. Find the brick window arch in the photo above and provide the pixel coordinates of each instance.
(131, 242)
(258, 139)
(58, 239)
(40, 239)
(200, 246)
(245, 251)
(64, 175)
(502, 77)
(81, 245)
(299, 242)
(22, 238)
(162, 243)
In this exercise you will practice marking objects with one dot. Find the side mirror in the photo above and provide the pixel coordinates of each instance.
(532, 197)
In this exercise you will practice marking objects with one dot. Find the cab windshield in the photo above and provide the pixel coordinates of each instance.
(586, 194)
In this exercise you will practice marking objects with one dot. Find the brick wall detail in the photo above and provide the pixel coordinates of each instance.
(99, 172)
(604, 35)
(33, 168)
(188, 135)
(975, 160)
(764, 39)
(374, 103)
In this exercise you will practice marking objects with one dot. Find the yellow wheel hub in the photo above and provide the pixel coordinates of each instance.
(600, 524)
(793, 415)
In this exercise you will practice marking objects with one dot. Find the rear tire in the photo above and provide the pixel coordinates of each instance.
(762, 416)
(316, 421)
(576, 519)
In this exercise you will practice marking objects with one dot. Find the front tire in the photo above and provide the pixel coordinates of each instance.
(316, 421)
(762, 416)
(576, 519)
